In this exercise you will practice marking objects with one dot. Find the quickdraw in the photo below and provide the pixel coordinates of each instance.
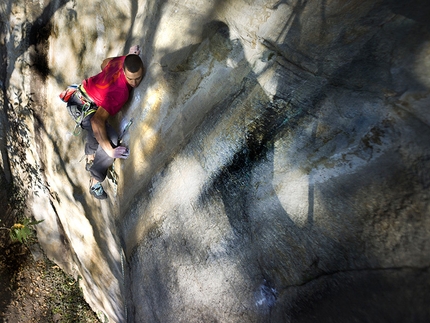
(79, 115)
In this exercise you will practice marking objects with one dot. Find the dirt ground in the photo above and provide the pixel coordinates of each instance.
(34, 289)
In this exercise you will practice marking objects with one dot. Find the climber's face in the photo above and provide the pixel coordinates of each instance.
(133, 78)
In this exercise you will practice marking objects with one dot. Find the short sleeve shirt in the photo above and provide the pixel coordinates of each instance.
(109, 89)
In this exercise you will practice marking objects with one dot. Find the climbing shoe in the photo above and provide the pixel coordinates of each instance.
(97, 191)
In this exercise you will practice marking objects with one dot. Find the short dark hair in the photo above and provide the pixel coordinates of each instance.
(133, 63)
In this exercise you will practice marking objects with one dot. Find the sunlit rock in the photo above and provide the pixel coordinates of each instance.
(279, 157)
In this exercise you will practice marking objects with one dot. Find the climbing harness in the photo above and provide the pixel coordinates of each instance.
(78, 112)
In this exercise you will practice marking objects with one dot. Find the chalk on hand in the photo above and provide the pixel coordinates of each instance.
(134, 50)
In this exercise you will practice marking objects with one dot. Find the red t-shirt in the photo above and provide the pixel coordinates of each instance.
(109, 89)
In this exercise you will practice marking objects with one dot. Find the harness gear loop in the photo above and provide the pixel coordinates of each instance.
(87, 109)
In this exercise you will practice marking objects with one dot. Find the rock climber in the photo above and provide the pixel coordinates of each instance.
(107, 92)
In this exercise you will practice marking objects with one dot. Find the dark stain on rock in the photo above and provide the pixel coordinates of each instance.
(39, 46)
(373, 137)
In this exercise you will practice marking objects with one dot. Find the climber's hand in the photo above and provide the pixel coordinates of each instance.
(120, 152)
(134, 50)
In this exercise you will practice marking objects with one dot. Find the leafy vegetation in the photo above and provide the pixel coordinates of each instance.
(22, 232)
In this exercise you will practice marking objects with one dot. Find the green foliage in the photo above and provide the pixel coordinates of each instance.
(22, 232)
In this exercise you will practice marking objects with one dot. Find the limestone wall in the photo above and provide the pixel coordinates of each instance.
(279, 157)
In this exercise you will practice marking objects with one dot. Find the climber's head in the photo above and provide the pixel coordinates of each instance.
(133, 70)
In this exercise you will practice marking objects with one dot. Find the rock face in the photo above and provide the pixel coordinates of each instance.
(279, 157)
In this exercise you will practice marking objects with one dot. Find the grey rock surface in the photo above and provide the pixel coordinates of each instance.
(279, 157)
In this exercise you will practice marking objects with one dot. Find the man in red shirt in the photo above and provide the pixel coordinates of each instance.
(108, 91)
